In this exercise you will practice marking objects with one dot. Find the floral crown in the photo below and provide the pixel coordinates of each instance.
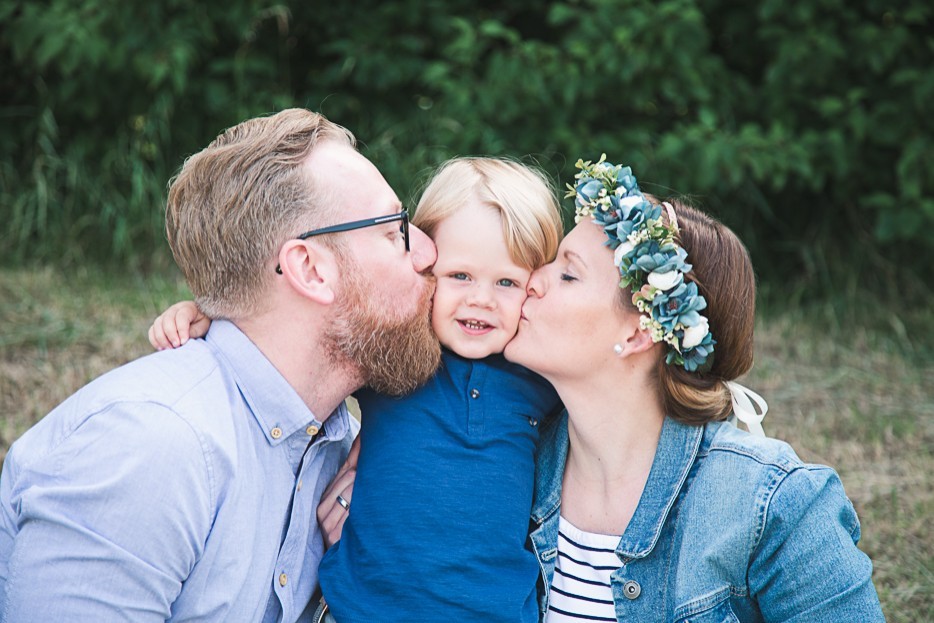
(649, 260)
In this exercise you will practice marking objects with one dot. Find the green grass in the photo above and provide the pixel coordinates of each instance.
(58, 332)
(860, 397)
(853, 390)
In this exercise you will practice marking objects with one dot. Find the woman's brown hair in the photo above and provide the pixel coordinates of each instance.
(723, 273)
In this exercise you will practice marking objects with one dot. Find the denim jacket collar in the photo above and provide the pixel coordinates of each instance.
(677, 450)
(549, 468)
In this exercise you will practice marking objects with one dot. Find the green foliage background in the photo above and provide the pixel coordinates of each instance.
(806, 126)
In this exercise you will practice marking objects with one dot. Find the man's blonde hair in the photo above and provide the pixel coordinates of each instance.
(524, 197)
(234, 203)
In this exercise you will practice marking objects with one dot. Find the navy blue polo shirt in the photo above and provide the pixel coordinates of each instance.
(442, 498)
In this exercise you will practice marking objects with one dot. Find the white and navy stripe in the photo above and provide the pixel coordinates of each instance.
(580, 590)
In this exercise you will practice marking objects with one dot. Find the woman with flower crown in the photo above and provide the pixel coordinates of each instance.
(651, 505)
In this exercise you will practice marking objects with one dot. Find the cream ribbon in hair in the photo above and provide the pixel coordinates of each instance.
(745, 402)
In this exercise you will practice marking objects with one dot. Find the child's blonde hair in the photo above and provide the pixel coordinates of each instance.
(524, 197)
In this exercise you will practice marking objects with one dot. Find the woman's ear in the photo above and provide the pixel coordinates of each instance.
(310, 269)
(633, 338)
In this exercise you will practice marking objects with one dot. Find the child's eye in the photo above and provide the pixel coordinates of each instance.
(568, 277)
(460, 276)
(506, 283)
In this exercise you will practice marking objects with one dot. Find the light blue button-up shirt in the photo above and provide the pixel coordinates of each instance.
(180, 486)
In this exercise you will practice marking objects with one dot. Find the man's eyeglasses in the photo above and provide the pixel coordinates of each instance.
(403, 217)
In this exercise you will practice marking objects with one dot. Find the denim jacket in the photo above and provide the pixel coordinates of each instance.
(730, 527)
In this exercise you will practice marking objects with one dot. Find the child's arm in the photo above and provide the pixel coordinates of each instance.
(177, 324)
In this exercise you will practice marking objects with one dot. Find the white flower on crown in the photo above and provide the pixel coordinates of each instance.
(621, 250)
(695, 335)
(638, 236)
(664, 281)
(628, 202)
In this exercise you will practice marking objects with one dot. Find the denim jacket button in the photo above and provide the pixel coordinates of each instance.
(475, 393)
(631, 589)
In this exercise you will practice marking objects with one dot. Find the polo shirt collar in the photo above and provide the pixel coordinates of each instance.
(275, 404)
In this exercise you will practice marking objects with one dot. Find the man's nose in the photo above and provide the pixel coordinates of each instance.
(422, 249)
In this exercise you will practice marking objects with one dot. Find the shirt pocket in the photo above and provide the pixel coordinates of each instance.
(720, 612)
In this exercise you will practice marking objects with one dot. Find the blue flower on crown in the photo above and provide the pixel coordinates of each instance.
(587, 192)
(678, 307)
(628, 215)
(649, 260)
(693, 359)
(626, 181)
(652, 256)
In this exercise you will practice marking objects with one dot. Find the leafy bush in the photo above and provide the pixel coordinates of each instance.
(804, 126)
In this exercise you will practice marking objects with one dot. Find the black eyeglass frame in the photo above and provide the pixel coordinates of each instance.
(367, 222)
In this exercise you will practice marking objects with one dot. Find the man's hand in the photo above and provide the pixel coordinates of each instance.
(331, 513)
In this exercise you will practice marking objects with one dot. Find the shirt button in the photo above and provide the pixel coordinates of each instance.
(631, 589)
(275, 433)
(475, 393)
(283, 579)
(312, 430)
(533, 422)
(298, 487)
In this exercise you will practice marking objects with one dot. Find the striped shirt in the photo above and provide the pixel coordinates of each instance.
(580, 590)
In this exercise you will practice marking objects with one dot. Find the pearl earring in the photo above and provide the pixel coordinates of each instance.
(618, 349)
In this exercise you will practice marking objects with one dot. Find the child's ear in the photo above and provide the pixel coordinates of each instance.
(310, 269)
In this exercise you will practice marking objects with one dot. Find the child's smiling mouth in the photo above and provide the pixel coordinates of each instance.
(475, 326)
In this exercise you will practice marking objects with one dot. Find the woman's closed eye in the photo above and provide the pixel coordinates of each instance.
(568, 277)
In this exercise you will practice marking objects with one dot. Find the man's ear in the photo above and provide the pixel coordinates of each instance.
(634, 339)
(310, 269)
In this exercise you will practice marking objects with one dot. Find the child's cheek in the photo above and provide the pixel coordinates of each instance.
(511, 312)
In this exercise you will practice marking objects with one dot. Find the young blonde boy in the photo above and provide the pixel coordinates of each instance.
(444, 481)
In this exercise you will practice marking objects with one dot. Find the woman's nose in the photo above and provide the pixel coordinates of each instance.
(536, 285)
(423, 250)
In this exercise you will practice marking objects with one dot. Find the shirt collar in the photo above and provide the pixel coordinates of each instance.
(549, 468)
(674, 457)
(677, 450)
(275, 404)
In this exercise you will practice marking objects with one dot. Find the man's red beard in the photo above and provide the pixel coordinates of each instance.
(394, 353)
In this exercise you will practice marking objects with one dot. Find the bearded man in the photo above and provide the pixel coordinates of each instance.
(184, 485)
